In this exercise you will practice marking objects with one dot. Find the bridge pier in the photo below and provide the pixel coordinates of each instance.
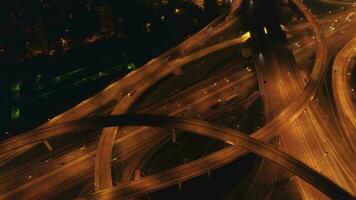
(180, 185)
(137, 174)
(48, 145)
(174, 136)
(209, 174)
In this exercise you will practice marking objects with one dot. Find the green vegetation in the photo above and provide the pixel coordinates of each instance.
(16, 86)
(15, 112)
(131, 66)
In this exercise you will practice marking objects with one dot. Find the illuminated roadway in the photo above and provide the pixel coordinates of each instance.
(32, 136)
(124, 104)
(334, 18)
(210, 162)
(199, 101)
(310, 138)
(341, 75)
(102, 173)
(210, 130)
(207, 167)
(122, 86)
(136, 163)
(121, 89)
(290, 113)
(103, 177)
(340, 2)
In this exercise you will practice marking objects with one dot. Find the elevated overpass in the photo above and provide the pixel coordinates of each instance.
(103, 178)
(341, 75)
(206, 129)
(126, 96)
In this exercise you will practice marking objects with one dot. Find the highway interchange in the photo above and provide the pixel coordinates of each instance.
(286, 119)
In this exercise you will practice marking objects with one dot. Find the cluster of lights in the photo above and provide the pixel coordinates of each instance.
(148, 26)
(248, 69)
(164, 2)
(177, 11)
(65, 43)
(332, 27)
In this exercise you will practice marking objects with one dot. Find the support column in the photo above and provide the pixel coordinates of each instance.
(48, 145)
(174, 136)
(180, 186)
(137, 174)
(209, 174)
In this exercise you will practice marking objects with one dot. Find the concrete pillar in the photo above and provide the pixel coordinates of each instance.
(180, 186)
(48, 145)
(137, 174)
(174, 136)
